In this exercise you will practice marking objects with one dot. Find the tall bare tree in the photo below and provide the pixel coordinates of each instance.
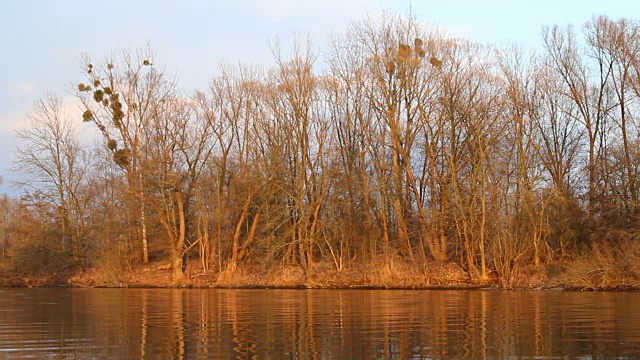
(122, 97)
(53, 160)
(586, 87)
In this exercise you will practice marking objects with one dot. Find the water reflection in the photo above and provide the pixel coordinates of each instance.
(316, 324)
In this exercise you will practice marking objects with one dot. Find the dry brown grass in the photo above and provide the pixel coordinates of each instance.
(600, 268)
(380, 273)
(527, 277)
(393, 272)
(605, 267)
(110, 269)
(285, 276)
(397, 272)
(242, 276)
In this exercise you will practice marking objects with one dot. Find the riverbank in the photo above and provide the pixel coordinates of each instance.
(393, 275)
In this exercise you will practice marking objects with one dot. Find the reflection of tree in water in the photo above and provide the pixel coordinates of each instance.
(313, 324)
(243, 339)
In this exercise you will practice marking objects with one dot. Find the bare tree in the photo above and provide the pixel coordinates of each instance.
(618, 43)
(294, 100)
(53, 159)
(520, 202)
(589, 102)
(121, 99)
(355, 230)
(6, 210)
(176, 151)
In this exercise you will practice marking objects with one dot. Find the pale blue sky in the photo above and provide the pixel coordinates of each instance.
(42, 40)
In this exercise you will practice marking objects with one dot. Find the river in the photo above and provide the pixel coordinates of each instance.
(317, 324)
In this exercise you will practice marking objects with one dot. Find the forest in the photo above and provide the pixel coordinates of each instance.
(399, 156)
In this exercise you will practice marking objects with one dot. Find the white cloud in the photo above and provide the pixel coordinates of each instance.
(13, 120)
(18, 118)
(22, 88)
(20, 93)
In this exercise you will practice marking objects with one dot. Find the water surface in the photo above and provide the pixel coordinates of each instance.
(317, 324)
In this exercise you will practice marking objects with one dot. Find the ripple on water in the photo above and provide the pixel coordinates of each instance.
(300, 324)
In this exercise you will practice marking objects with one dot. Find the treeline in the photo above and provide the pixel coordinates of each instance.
(402, 142)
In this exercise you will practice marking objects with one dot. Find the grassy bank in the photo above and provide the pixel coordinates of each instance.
(597, 270)
(395, 274)
(598, 267)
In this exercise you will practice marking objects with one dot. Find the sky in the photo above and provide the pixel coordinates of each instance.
(41, 41)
